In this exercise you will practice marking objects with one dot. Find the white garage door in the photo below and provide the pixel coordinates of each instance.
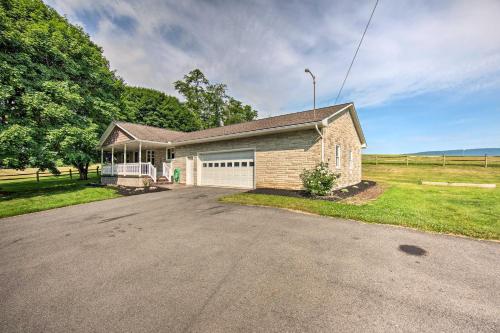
(231, 169)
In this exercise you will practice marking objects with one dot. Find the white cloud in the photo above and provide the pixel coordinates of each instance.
(260, 49)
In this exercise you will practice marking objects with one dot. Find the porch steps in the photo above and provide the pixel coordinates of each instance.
(162, 181)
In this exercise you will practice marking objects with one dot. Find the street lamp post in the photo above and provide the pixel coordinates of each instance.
(314, 90)
(314, 116)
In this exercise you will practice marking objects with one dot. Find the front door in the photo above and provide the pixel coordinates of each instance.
(150, 156)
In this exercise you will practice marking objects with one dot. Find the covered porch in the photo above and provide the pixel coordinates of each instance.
(137, 159)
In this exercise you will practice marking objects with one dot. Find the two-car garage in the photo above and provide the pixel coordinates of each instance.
(228, 169)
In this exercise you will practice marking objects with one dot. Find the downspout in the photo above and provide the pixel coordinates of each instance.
(322, 143)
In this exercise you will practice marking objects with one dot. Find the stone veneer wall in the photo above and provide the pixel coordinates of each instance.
(342, 131)
(124, 181)
(280, 158)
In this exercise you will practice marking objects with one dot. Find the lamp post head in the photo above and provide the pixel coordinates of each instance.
(307, 70)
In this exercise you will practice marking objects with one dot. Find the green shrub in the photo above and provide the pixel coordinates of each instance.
(319, 180)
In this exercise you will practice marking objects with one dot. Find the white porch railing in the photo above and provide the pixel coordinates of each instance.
(149, 170)
(167, 170)
(130, 169)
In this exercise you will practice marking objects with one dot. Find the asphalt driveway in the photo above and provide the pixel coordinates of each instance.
(180, 261)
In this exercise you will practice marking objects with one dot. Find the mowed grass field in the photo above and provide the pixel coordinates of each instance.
(28, 195)
(473, 212)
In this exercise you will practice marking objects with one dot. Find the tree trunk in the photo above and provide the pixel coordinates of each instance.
(83, 169)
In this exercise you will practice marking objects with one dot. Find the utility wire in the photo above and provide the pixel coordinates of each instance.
(356, 53)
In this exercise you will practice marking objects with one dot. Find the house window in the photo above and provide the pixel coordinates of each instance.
(236, 164)
(337, 156)
(171, 153)
(243, 164)
(351, 159)
(210, 165)
(229, 164)
(216, 165)
(150, 156)
(223, 165)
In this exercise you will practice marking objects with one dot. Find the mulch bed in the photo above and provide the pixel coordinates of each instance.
(337, 195)
(125, 190)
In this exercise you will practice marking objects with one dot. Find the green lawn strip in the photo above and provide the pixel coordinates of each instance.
(21, 197)
(468, 212)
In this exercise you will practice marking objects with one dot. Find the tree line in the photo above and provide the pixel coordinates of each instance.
(58, 93)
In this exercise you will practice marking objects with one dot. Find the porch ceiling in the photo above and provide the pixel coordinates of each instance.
(133, 145)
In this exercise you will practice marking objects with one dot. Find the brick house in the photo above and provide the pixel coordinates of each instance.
(269, 152)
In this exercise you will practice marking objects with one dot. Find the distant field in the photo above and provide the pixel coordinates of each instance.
(489, 161)
(30, 173)
(473, 212)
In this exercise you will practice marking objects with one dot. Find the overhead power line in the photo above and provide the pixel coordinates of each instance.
(356, 53)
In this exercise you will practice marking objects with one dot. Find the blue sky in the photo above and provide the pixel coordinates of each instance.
(426, 78)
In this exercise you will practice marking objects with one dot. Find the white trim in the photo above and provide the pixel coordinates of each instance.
(157, 142)
(338, 156)
(254, 168)
(125, 158)
(198, 170)
(112, 160)
(192, 169)
(140, 158)
(357, 125)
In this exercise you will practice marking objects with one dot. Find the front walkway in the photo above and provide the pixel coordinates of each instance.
(179, 260)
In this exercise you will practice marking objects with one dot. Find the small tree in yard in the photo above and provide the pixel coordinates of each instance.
(76, 146)
(319, 180)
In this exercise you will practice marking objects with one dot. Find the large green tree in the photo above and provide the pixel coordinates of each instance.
(57, 93)
(155, 108)
(211, 102)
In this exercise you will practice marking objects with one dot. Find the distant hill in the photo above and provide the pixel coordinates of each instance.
(462, 152)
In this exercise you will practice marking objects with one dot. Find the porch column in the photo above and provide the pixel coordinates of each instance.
(140, 158)
(125, 159)
(102, 157)
(112, 160)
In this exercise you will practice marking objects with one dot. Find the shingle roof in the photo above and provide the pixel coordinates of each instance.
(150, 133)
(265, 123)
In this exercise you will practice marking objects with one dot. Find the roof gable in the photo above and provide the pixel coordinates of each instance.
(117, 135)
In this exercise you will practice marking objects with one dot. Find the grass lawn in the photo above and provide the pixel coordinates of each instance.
(473, 212)
(27, 196)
